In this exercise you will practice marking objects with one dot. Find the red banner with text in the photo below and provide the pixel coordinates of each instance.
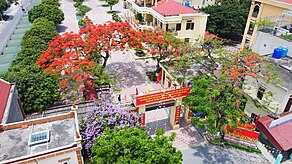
(142, 118)
(162, 96)
(242, 133)
(177, 114)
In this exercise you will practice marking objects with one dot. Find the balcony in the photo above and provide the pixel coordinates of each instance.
(130, 17)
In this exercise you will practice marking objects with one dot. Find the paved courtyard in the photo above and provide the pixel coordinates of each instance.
(98, 14)
(131, 74)
(194, 147)
(209, 154)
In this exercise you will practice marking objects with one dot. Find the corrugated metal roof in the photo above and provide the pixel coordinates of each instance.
(4, 94)
(171, 7)
(280, 136)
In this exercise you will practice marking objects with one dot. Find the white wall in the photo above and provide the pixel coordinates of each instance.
(279, 97)
(265, 43)
(54, 160)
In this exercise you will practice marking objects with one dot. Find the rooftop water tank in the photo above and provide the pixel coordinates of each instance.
(277, 53)
(284, 51)
(187, 3)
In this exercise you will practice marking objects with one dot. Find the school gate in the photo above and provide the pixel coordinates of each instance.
(167, 98)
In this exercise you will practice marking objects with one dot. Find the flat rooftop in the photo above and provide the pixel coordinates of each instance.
(284, 66)
(14, 142)
(170, 66)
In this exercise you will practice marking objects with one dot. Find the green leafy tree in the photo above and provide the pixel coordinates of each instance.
(215, 101)
(218, 94)
(3, 7)
(51, 12)
(41, 28)
(227, 18)
(133, 145)
(51, 2)
(34, 42)
(82, 9)
(36, 90)
(111, 3)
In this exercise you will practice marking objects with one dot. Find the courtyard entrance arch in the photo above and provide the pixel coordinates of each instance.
(166, 98)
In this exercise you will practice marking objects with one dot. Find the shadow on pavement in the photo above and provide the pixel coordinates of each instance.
(9, 17)
(127, 73)
(212, 155)
(61, 28)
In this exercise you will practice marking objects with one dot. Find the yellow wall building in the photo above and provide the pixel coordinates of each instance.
(273, 10)
(184, 22)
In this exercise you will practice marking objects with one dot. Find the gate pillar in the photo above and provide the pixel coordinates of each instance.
(187, 115)
(142, 115)
(175, 114)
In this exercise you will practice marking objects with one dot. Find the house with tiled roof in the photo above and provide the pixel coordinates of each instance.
(182, 21)
(10, 105)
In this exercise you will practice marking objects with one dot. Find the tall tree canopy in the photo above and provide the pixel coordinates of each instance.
(227, 17)
(36, 89)
(76, 57)
(218, 95)
(133, 145)
(51, 12)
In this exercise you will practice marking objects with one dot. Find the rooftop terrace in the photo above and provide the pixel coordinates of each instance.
(15, 137)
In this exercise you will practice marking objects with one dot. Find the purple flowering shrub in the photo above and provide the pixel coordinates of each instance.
(105, 116)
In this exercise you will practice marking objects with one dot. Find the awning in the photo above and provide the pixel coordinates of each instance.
(280, 136)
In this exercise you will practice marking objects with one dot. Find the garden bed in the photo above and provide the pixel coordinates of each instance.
(219, 142)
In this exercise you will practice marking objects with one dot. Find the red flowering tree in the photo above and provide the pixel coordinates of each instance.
(161, 44)
(77, 57)
(102, 39)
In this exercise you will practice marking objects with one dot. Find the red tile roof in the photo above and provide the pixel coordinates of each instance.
(4, 94)
(280, 136)
(286, 1)
(171, 8)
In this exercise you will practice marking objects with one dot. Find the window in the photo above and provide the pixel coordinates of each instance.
(39, 137)
(187, 40)
(256, 10)
(190, 25)
(178, 26)
(260, 93)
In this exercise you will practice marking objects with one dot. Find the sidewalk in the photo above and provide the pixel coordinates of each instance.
(70, 21)
(7, 27)
(12, 31)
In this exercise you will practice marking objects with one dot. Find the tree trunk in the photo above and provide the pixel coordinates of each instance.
(105, 59)
(1, 15)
